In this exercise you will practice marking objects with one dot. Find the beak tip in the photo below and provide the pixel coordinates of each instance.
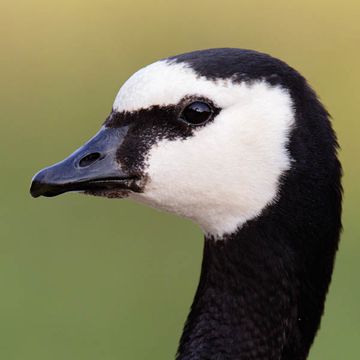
(36, 189)
(39, 185)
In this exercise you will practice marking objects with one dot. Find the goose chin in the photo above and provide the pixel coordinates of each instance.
(113, 188)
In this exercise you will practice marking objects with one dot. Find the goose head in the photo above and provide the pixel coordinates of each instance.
(197, 135)
(238, 142)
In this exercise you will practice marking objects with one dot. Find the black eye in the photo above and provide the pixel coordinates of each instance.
(197, 113)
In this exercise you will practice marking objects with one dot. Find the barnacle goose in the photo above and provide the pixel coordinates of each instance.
(238, 142)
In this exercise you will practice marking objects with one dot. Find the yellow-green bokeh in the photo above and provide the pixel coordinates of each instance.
(88, 278)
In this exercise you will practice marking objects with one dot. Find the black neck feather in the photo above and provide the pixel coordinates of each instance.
(245, 305)
(258, 298)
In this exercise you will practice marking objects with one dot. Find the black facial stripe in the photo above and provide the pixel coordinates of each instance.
(172, 112)
(165, 118)
(146, 128)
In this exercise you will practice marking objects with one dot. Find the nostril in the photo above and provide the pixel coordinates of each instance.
(89, 159)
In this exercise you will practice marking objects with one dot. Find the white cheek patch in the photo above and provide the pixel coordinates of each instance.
(229, 171)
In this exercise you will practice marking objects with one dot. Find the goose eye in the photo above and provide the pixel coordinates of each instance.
(197, 113)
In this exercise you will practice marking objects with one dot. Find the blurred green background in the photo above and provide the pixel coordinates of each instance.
(90, 278)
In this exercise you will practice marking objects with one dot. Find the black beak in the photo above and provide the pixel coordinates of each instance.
(93, 168)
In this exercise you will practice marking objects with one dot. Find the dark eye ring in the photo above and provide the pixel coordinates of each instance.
(197, 113)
